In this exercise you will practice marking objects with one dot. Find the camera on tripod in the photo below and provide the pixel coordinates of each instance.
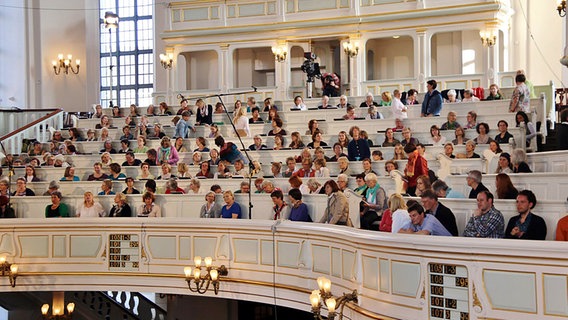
(310, 67)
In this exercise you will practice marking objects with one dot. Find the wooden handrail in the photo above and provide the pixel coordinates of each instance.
(31, 124)
(19, 110)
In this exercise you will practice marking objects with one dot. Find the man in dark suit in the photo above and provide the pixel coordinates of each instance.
(441, 212)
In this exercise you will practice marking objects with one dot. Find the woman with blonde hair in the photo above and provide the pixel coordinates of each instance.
(89, 208)
(399, 152)
(121, 207)
(230, 210)
(386, 99)
(106, 160)
(314, 187)
(104, 136)
(395, 216)
(166, 172)
(241, 122)
(321, 170)
(183, 171)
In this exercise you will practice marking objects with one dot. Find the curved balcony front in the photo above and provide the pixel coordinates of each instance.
(396, 276)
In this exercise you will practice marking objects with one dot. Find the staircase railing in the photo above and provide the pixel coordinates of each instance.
(117, 305)
(38, 129)
(137, 304)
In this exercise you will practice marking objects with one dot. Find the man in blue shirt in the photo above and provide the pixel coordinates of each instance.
(432, 104)
(183, 125)
(421, 223)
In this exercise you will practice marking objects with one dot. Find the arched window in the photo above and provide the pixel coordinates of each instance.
(131, 48)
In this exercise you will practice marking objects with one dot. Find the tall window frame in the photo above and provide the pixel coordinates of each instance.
(128, 50)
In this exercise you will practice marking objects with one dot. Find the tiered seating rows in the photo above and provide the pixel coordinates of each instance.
(189, 206)
(371, 126)
(550, 186)
(481, 107)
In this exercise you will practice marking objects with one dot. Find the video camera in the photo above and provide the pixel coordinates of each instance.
(310, 67)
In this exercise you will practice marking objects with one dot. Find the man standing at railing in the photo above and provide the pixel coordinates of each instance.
(486, 222)
(432, 104)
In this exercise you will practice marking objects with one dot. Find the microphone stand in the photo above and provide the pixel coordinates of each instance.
(251, 165)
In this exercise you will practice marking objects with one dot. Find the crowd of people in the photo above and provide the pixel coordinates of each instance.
(378, 211)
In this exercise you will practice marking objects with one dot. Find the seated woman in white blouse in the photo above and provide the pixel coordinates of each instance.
(436, 138)
(89, 208)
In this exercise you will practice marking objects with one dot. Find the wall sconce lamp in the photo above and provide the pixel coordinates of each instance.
(57, 313)
(488, 38)
(167, 60)
(65, 64)
(351, 48)
(199, 280)
(332, 303)
(9, 269)
(561, 8)
(280, 52)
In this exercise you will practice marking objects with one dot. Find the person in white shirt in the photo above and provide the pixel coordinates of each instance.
(299, 104)
(343, 104)
(468, 96)
(321, 170)
(89, 208)
(241, 122)
(398, 108)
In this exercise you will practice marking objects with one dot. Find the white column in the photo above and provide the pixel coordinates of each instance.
(345, 67)
(225, 74)
(422, 50)
(282, 73)
(356, 72)
(169, 74)
(494, 63)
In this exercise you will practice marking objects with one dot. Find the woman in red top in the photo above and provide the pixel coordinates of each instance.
(415, 167)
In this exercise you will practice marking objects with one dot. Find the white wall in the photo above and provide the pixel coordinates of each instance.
(62, 31)
(203, 70)
(32, 38)
(446, 53)
(393, 58)
(12, 54)
(547, 29)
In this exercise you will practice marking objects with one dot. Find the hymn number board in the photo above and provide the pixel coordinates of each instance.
(123, 252)
(449, 291)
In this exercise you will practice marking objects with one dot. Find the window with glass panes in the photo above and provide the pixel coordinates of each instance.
(127, 50)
